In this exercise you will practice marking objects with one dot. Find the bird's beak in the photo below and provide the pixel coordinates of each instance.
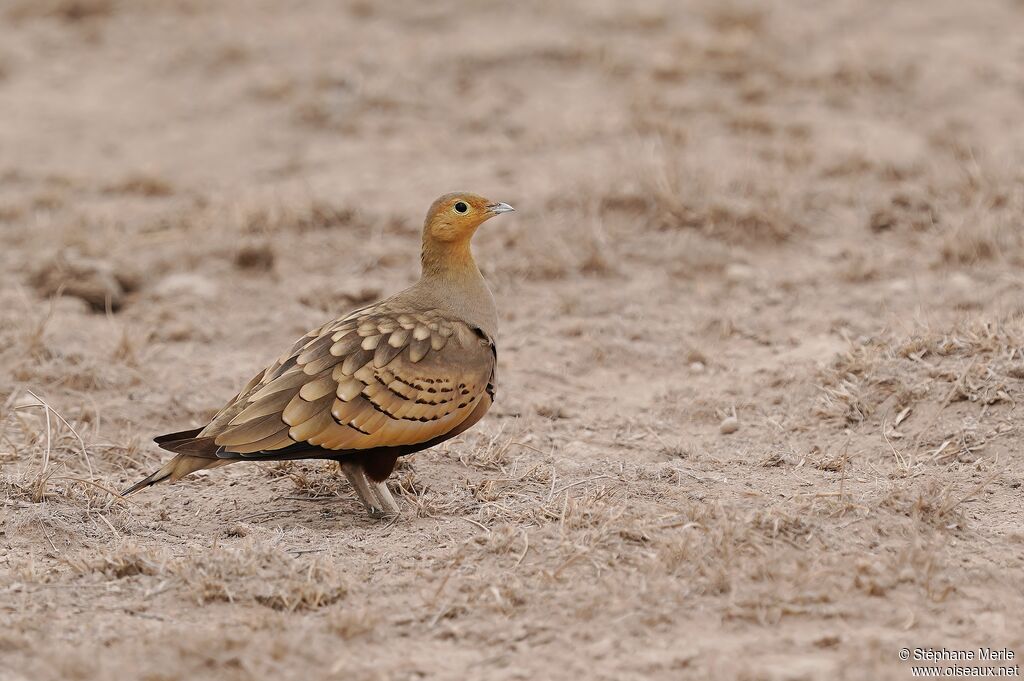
(497, 208)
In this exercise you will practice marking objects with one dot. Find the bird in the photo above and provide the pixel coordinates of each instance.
(386, 380)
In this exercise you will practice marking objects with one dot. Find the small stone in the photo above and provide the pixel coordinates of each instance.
(729, 425)
(899, 286)
(176, 332)
(237, 530)
(737, 273)
(962, 281)
(255, 257)
(882, 220)
(186, 285)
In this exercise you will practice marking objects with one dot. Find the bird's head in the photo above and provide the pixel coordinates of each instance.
(453, 218)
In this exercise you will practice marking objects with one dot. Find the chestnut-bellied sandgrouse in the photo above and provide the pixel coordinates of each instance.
(386, 380)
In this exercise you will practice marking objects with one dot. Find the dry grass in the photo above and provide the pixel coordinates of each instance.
(252, 572)
(260, 574)
(976, 361)
(141, 184)
(987, 203)
(97, 282)
(303, 217)
(310, 479)
(734, 209)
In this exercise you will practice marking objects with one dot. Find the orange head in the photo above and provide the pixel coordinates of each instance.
(453, 218)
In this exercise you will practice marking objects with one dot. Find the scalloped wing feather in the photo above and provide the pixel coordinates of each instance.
(379, 378)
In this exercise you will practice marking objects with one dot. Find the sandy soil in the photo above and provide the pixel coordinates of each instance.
(805, 217)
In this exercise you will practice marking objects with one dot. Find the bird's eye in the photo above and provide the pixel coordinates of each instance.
(461, 207)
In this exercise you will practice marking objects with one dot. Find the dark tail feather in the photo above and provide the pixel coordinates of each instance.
(174, 437)
(182, 443)
(186, 442)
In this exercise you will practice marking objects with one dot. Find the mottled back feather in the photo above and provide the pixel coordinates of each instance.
(386, 376)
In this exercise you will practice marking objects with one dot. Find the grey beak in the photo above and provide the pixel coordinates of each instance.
(500, 208)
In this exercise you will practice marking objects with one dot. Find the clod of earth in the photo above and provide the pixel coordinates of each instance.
(95, 281)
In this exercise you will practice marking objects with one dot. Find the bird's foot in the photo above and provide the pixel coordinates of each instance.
(376, 496)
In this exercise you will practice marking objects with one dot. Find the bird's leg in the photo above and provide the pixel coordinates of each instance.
(376, 496)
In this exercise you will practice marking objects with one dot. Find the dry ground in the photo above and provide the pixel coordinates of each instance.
(804, 215)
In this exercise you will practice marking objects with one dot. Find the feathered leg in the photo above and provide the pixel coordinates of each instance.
(374, 494)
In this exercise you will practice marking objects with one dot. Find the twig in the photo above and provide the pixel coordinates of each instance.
(946, 508)
(112, 529)
(572, 559)
(46, 454)
(579, 482)
(526, 446)
(480, 525)
(900, 459)
(698, 478)
(526, 547)
(686, 525)
(81, 442)
(109, 491)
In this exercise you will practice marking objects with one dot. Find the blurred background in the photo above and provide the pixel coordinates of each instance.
(760, 346)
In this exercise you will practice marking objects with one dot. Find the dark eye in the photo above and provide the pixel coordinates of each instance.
(461, 207)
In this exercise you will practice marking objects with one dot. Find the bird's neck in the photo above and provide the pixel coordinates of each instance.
(450, 260)
(450, 273)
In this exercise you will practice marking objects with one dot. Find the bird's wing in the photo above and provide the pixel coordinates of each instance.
(382, 377)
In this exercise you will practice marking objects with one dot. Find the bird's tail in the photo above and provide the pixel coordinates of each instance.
(176, 469)
(184, 463)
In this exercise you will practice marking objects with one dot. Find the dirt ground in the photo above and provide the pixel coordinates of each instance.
(761, 353)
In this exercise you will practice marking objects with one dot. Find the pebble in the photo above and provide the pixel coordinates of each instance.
(186, 285)
(738, 273)
(729, 425)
